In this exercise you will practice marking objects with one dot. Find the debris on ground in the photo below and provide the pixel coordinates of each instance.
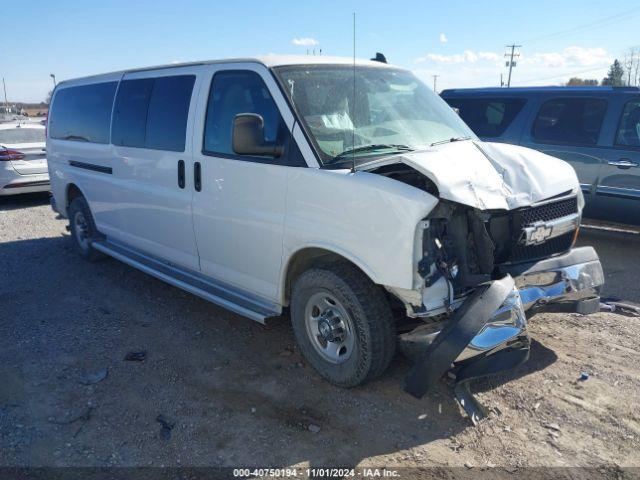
(136, 356)
(313, 428)
(618, 307)
(95, 377)
(552, 426)
(166, 427)
(83, 418)
(584, 376)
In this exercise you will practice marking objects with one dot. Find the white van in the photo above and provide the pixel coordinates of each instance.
(353, 195)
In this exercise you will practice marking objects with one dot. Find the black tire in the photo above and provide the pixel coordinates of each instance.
(80, 214)
(372, 323)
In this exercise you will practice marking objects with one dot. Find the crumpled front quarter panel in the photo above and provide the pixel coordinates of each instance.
(369, 219)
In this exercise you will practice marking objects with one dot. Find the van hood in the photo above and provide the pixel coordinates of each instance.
(489, 176)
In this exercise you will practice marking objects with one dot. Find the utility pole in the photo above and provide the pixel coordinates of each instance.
(511, 63)
(6, 103)
(53, 77)
(435, 78)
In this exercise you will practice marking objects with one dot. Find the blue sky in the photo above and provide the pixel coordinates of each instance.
(461, 41)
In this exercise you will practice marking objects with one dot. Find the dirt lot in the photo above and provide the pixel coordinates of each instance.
(238, 393)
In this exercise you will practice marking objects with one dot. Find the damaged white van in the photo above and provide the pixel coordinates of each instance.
(351, 194)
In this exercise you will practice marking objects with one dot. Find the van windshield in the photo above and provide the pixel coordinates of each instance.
(392, 111)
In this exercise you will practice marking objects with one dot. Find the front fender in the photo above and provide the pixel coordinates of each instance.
(366, 218)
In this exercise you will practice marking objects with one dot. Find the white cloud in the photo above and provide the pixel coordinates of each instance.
(490, 56)
(443, 38)
(570, 56)
(468, 56)
(305, 42)
(471, 68)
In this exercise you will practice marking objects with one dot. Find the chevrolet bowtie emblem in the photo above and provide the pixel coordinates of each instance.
(538, 234)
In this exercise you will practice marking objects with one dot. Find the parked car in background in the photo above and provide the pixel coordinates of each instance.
(595, 129)
(23, 161)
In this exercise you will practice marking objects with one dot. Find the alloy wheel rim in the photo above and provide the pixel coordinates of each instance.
(329, 327)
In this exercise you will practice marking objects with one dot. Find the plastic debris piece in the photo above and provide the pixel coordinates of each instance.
(95, 377)
(166, 427)
(136, 356)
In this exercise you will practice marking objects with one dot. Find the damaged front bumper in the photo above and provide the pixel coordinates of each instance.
(487, 333)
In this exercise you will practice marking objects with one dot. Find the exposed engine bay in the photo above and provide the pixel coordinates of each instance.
(478, 268)
(467, 245)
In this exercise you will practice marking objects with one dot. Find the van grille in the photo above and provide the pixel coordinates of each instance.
(523, 253)
(549, 211)
(507, 228)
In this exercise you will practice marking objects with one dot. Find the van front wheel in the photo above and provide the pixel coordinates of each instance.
(83, 230)
(343, 324)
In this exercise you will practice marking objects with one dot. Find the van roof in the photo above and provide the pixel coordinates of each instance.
(523, 90)
(266, 60)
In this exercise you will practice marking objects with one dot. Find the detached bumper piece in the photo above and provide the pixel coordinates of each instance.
(489, 321)
(487, 334)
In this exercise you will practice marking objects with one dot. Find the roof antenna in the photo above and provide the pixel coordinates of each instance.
(353, 105)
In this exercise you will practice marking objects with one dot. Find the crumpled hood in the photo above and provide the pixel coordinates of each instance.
(488, 176)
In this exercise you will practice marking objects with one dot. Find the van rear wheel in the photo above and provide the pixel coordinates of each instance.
(83, 229)
(343, 324)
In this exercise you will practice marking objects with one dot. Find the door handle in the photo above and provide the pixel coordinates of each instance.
(181, 173)
(623, 163)
(197, 176)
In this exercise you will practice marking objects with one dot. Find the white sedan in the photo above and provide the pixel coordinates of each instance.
(23, 160)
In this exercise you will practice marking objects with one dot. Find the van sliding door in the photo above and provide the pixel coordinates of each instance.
(151, 135)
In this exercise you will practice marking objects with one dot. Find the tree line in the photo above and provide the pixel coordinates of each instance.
(621, 73)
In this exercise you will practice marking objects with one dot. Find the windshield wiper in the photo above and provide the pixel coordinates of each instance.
(450, 140)
(372, 148)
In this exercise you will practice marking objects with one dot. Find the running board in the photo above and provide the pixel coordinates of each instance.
(192, 282)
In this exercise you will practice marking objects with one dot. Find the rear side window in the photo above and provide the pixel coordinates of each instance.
(629, 129)
(21, 135)
(153, 112)
(235, 92)
(83, 113)
(570, 120)
(488, 117)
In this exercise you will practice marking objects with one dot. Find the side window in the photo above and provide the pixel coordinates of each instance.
(629, 129)
(231, 93)
(570, 120)
(83, 113)
(488, 117)
(130, 113)
(168, 113)
(153, 112)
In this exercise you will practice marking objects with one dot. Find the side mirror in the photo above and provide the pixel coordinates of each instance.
(248, 137)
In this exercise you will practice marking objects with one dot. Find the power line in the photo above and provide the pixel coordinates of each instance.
(602, 22)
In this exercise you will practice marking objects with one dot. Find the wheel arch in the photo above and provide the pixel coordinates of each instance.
(309, 256)
(71, 192)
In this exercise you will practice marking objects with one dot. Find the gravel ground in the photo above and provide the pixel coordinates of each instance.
(237, 393)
